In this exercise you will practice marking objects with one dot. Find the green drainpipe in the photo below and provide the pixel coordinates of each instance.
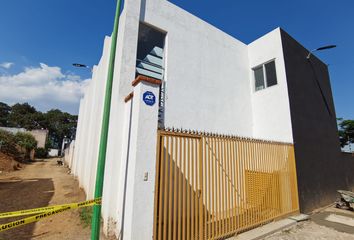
(96, 217)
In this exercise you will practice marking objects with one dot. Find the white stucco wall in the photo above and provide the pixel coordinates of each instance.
(209, 87)
(69, 154)
(90, 119)
(206, 75)
(139, 207)
(270, 106)
(89, 127)
(124, 74)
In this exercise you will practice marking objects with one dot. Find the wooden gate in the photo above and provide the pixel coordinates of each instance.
(212, 186)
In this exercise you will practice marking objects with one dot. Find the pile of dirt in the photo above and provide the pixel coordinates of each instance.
(8, 163)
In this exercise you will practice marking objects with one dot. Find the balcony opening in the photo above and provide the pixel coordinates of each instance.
(150, 61)
(150, 55)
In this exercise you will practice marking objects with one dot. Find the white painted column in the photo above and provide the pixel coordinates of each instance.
(122, 183)
(139, 202)
(124, 74)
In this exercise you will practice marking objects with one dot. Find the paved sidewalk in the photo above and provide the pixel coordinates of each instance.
(309, 231)
(328, 224)
(338, 219)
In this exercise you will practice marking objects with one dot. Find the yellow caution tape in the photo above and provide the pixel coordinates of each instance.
(45, 209)
(44, 214)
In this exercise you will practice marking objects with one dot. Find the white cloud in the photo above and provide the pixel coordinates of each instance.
(44, 87)
(6, 65)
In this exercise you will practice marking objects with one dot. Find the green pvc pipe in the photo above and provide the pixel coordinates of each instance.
(96, 217)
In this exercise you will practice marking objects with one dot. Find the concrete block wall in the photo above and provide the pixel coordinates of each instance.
(40, 136)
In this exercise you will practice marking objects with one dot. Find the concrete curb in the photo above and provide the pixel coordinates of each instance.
(268, 229)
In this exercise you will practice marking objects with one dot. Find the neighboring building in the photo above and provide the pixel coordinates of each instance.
(211, 82)
(40, 135)
(53, 152)
(348, 148)
(13, 130)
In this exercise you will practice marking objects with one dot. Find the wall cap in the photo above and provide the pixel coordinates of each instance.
(130, 96)
(142, 78)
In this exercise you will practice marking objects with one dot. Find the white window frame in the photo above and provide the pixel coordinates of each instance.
(264, 75)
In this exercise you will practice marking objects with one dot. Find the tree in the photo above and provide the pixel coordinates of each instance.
(8, 143)
(346, 131)
(26, 141)
(16, 145)
(24, 116)
(4, 114)
(60, 124)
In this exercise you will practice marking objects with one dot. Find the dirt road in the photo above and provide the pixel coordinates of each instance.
(40, 184)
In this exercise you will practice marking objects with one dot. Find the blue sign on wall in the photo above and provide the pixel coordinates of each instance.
(149, 98)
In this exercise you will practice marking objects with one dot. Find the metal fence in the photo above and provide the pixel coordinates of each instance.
(212, 187)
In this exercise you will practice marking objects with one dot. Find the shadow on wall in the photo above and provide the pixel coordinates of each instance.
(321, 167)
(23, 194)
(348, 170)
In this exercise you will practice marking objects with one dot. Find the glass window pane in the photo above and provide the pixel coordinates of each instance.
(271, 74)
(259, 78)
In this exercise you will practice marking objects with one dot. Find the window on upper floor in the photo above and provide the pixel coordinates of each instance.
(265, 75)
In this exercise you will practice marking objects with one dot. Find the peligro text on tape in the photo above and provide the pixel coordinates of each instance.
(44, 209)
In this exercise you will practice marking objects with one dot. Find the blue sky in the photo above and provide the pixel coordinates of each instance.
(43, 38)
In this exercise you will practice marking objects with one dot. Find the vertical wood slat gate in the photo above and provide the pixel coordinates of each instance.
(212, 187)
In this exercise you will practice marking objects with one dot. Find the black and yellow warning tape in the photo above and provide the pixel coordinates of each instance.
(42, 213)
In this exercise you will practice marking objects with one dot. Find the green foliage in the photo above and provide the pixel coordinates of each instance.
(23, 116)
(4, 113)
(86, 216)
(8, 143)
(59, 124)
(49, 144)
(346, 131)
(17, 145)
(41, 152)
(26, 141)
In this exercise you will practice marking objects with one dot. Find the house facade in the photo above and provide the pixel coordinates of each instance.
(189, 75)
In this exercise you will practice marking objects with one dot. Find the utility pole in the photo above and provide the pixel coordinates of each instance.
(96, 217)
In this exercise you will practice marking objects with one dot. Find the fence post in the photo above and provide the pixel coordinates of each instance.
(139, 207)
